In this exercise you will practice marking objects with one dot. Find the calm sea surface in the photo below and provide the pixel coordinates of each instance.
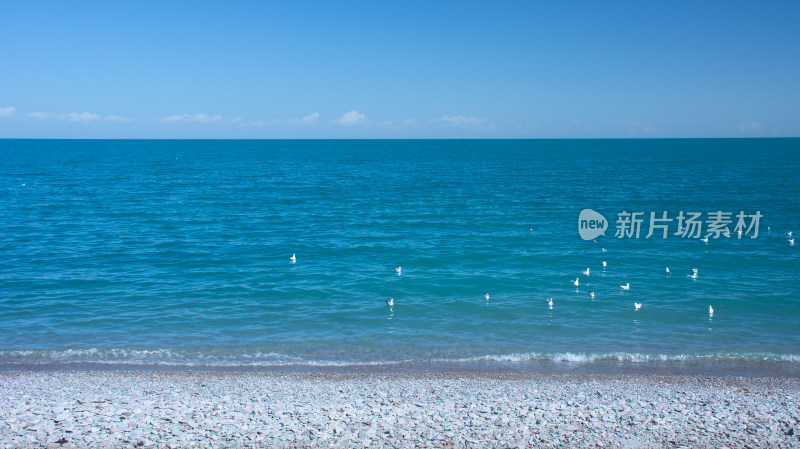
(176, 252)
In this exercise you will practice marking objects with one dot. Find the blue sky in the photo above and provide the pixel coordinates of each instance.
(372, 69)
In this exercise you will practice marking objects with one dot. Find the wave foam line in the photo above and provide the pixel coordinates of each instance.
(171, 357)
(635, 357)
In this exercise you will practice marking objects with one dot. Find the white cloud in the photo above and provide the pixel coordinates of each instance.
(310, 118)
(8, 112)
(307, 120)
(350, 118)
(459, 121)
(197, 118)
(118, 118)
(82, 117)
(71, 116)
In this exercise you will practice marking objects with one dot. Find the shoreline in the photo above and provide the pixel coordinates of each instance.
(112, 408)
(703, 368)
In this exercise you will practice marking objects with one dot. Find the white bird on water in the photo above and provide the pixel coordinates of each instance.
(637, 305)
(605, 250)
(693, 275)
(486, 296)
(791, 242)
(293, 259)
(550, 302)
(788, 233)
(585, 273)
(668, 272)
(604, 264)
(626, 286)
(591, 295)
(390, 302)
(710, 311)
(704, 240)
(576, 281)
(398, 270)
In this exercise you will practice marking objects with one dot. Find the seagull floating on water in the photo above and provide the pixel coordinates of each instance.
(668, 272)
(791, 242)
(626, 286)
(550, 302)
(704, 240)
(576, 281)
(637, 305)
(398, 270)
(710, 311)
(591, 295)
(693, 275)
(604, 264)
(585, 273)
(390, 302)
(788, 233)
(486, 296)
(293, 259)
(605, 250)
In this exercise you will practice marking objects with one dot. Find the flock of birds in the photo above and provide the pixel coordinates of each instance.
(626, 286)
(587, 272)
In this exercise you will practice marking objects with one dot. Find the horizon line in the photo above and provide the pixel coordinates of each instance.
(398, 138)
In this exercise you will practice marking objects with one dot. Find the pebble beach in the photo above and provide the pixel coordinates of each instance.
(85, 409)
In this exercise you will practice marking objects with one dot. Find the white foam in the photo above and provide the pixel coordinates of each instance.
(634, 357)
(167, 357)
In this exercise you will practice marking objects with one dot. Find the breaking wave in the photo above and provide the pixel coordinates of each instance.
(176, 357)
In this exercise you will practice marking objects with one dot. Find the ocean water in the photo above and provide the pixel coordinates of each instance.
(176, 252)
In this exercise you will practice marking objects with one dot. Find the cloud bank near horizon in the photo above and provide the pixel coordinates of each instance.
(357, 125)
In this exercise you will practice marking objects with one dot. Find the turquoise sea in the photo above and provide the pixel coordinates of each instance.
(176, 253)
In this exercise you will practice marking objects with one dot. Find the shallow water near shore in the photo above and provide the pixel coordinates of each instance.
(176, 254)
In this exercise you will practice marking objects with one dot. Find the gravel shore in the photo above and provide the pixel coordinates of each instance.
(190, 409)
